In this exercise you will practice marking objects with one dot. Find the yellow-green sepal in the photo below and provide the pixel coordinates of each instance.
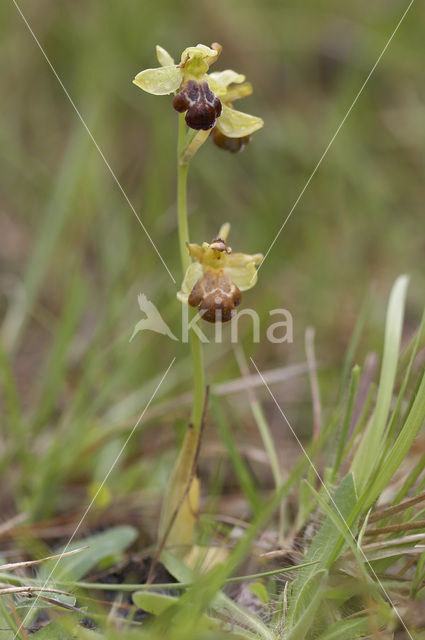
(236, 124)
(191, 277)
(161, 81)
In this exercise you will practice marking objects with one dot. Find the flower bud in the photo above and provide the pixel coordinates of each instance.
(234, 145)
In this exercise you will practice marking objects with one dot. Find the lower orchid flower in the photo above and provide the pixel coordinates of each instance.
(215, 280)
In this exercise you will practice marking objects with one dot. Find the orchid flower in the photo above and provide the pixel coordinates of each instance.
(205, 98)
(216, 278)
(234, 128)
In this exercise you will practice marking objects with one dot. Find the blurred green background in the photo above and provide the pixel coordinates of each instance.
(73, 256)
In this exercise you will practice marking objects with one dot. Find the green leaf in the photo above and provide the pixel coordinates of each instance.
(306, 604)
(159, 603)
(259, 590)
(322, 549)
(323, 543)
(54, 631)
(66, 628)
(177, 567)
(219, 601)
(155, 603)
(346, 629)
(100, 546)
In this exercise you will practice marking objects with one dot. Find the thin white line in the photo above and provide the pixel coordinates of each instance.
(95, 496)
(92, 138)
(331, 498)
(335, 134)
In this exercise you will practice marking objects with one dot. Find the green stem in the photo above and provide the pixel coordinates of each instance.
(182, 170)
(198, 381)
(195, 343)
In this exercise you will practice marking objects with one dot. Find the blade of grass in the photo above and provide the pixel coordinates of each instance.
(365, 458)
(58, 209)
(410, 480)
(353, 346)
(404, 441)
(402, 393)
(53, 377)
(260, 419)
(239, 467)
(352, 392)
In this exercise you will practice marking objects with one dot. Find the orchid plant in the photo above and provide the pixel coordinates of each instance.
(213, 277)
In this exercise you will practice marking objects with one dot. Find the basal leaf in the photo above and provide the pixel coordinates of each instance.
(100, 546)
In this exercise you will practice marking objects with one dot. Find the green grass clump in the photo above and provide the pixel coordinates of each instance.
(354, 563)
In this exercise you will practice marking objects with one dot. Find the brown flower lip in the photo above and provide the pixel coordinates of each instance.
(216, 296)
(201, 105)
(216, 278)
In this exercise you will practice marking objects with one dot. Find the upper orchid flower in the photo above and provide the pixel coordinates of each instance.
(194, 95)
(206, 98)
(215, 280)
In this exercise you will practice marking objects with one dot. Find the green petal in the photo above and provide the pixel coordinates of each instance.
(160, 81)
(220, 80)
(164, 58)
(193, 273)
(243, 277)
(200, 51)
(236, 124)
